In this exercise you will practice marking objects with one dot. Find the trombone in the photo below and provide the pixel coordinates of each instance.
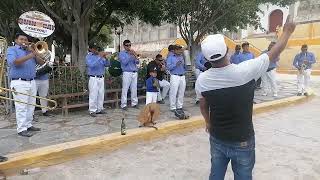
(3, 90)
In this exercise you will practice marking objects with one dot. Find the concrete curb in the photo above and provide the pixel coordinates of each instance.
(60, 153)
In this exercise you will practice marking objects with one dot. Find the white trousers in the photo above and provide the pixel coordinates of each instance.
(24, 112)
(303, 81)
(269, 80)
(151, 97)
(129, 79)
(176, 94)
(96, 94)
(197, 72)
(165, 89)
(42, 91)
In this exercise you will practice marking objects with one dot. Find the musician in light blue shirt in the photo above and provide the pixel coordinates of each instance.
(22, 62)
(176, 64)
(200, 67)
(303, 62)
(177, 67)
(304, 57)
(269, 78)
(170, 50)
(129, 61)
(246, 54)
(236, 57)
(96, 63)
(199, 63)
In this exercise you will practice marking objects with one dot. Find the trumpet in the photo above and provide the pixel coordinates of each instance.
(40, 48)
(4, 91)
(103, 54)
(303, 68)
(132, 52)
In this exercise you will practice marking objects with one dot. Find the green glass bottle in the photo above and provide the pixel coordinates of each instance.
(123, 127)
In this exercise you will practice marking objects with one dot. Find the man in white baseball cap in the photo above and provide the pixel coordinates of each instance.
(226, 94)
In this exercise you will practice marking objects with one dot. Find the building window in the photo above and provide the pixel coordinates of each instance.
(172, 32)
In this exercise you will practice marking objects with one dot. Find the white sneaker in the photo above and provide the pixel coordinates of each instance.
(264, 94)
(275, 95)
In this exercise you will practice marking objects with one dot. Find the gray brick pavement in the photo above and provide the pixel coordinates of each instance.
(79, 124)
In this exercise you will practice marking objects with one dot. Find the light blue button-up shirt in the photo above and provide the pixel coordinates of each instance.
(96, 64)
(273, 64)
(128, 61)
(245, 56)
(173, 67)
(170, 54)
(27, 70)
(298, 60)
(200, 61)
(235, 58)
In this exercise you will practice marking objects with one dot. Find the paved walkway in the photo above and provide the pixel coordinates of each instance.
(287, 148)
(79, 125)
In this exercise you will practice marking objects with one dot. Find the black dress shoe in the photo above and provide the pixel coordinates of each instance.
(124, 108)
(135, 106)
(180, 109)
(102, 112)
(92, 114)
(179, 113)
(46, 114)
(161, 102)
(32, 128)
(299, 94)
(25, 134)
(3, 159)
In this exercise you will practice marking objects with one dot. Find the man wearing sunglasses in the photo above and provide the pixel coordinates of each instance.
(129, 61)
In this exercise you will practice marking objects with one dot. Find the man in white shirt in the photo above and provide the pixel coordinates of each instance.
(227, 92)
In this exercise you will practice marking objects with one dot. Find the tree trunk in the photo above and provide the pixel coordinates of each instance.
(194, 52)
(83, 29)
(74, 48)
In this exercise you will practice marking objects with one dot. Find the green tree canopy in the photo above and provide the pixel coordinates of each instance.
(197, 18)
(79, 21)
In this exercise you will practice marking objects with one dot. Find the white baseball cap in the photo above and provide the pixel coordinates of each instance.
(214, 47)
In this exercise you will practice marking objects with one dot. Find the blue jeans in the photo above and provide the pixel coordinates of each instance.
(241, 154)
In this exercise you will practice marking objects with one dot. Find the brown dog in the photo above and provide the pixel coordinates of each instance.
(148, 115)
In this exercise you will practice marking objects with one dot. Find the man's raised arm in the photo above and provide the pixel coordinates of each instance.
(288, 29)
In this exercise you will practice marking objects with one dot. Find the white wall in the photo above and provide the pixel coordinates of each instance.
(264, 19)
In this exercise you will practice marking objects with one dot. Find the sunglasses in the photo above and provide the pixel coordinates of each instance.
(128, 45)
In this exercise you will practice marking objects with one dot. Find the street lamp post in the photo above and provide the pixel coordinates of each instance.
(118, 31)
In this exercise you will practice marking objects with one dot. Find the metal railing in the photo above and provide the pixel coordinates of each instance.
(68, 80)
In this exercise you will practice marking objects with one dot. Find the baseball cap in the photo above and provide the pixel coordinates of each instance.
(214, 47)
(154, 69)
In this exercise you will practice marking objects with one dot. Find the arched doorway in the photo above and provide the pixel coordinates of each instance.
(275, 19)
